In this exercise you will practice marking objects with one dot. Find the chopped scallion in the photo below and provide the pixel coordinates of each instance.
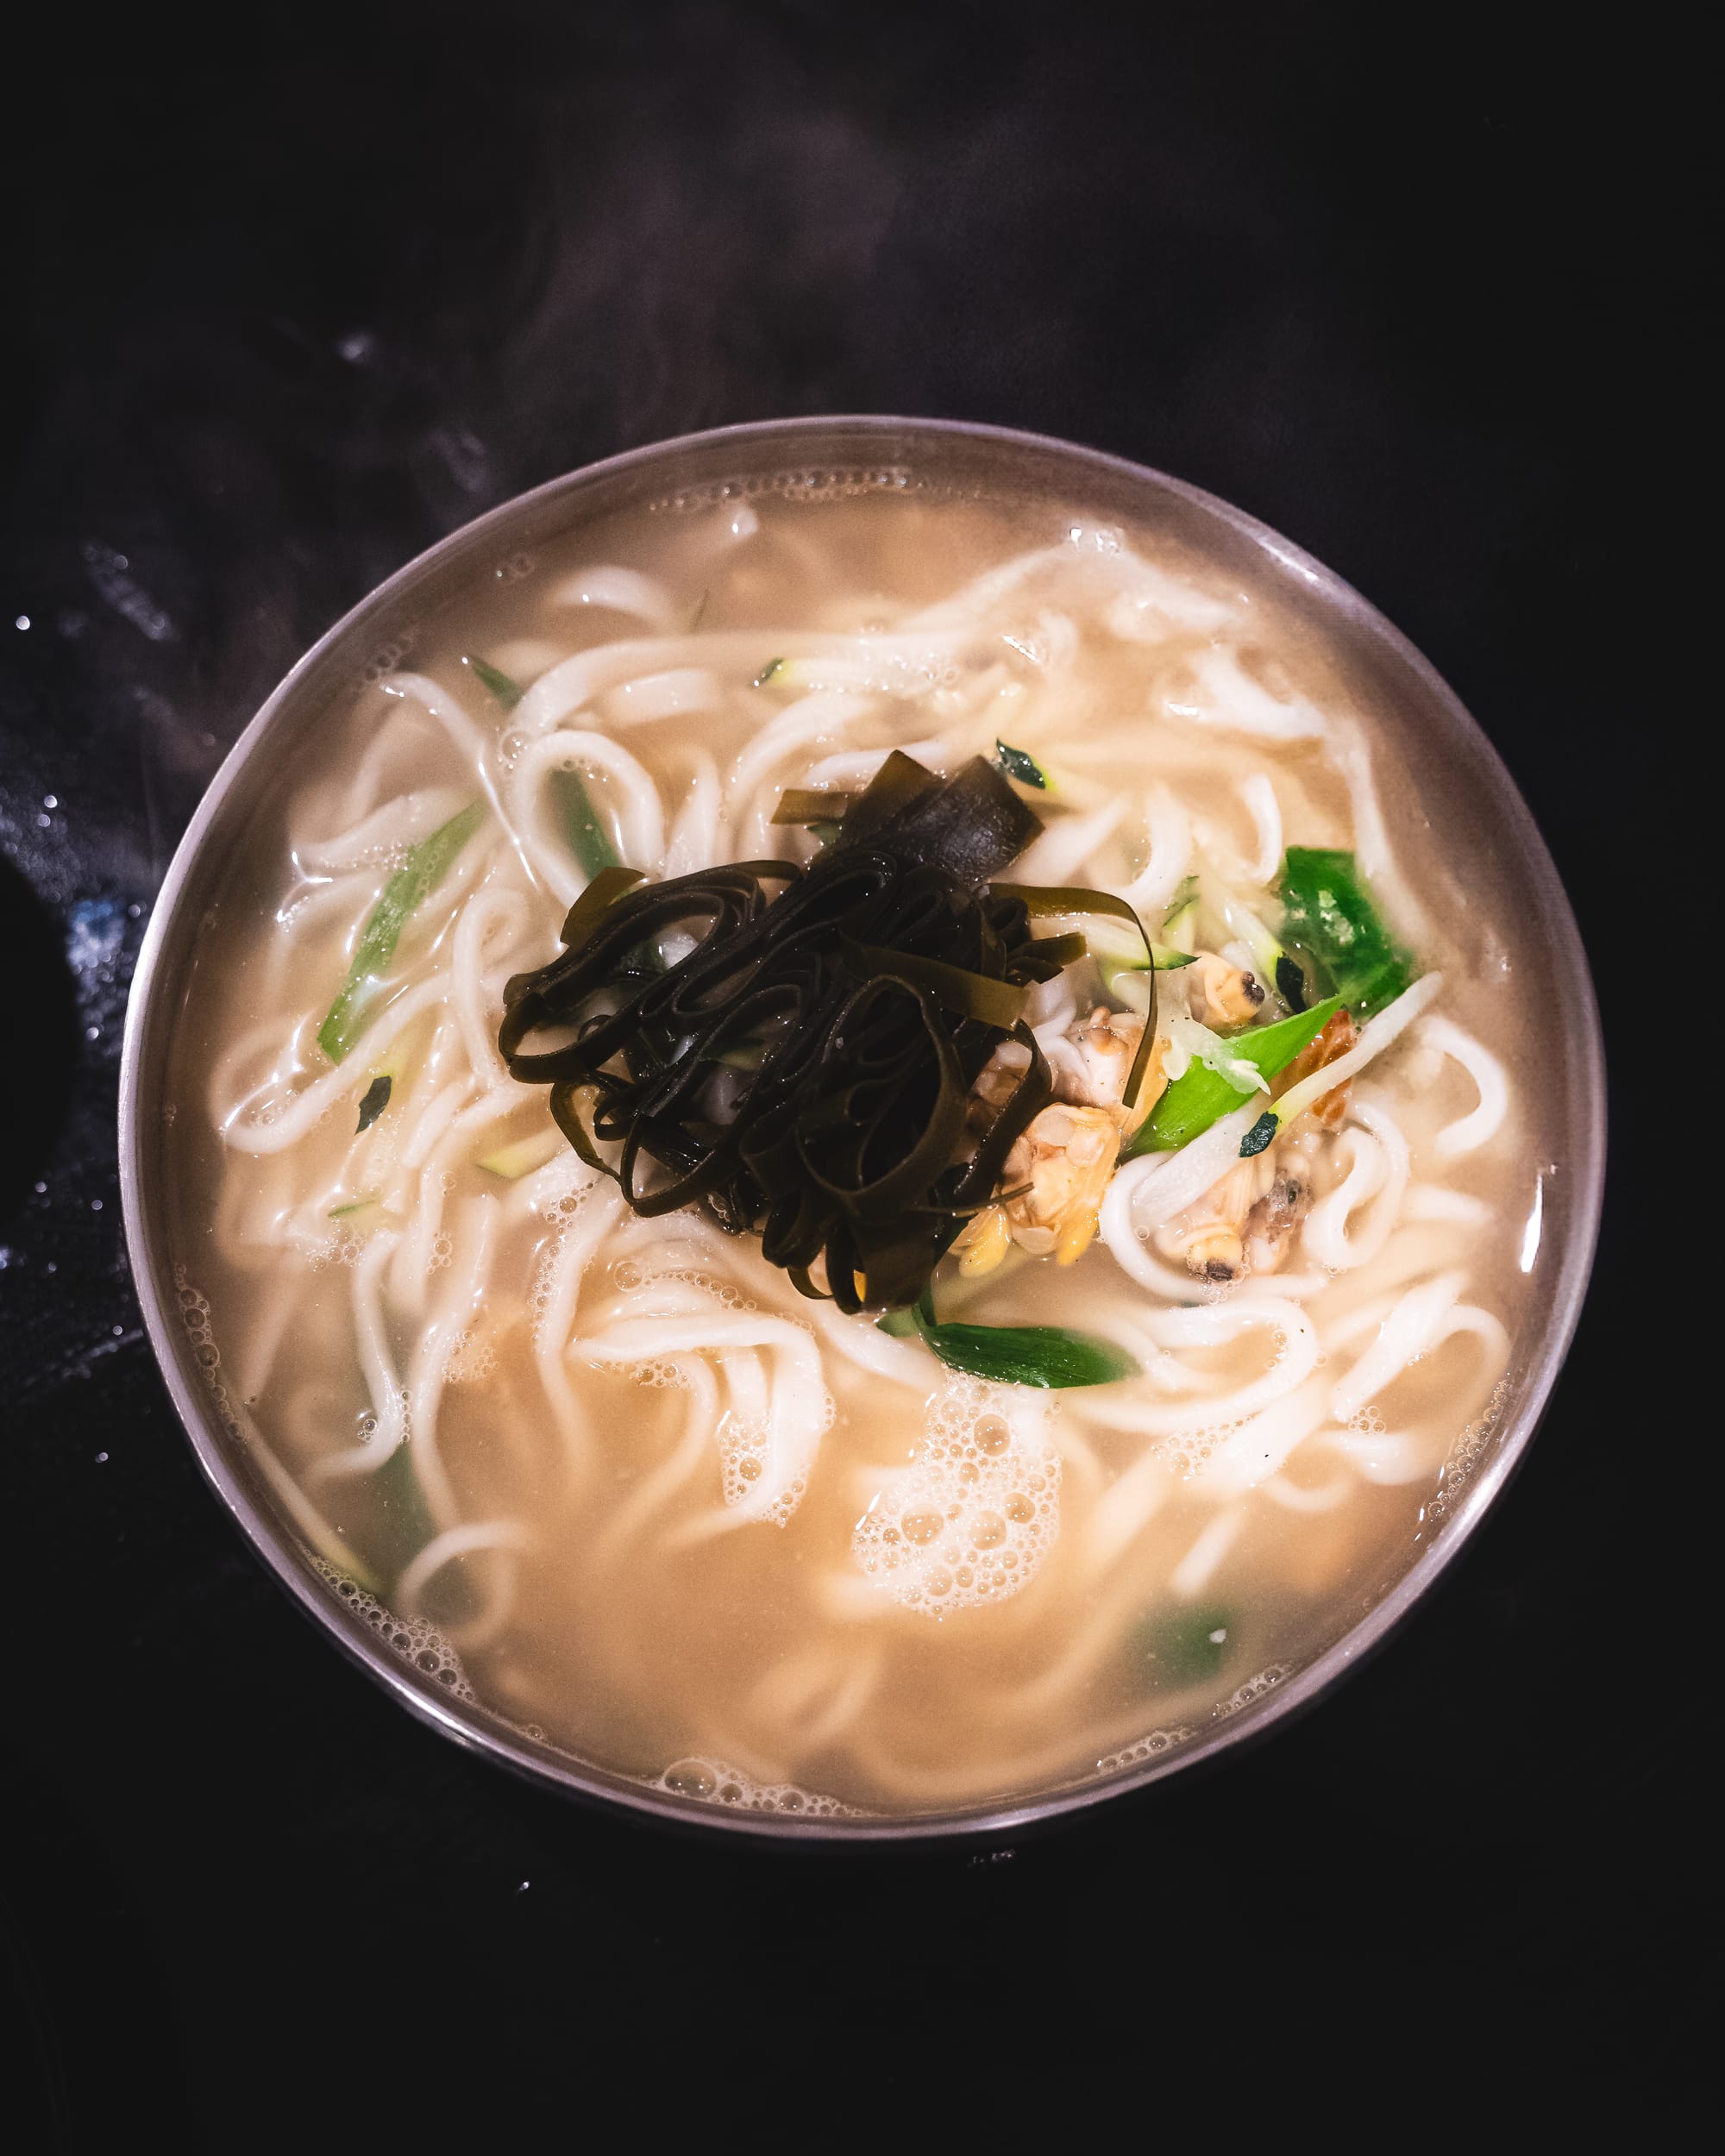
(1199, 1095)
(508, 692)
(426, 865)
(1017, 764)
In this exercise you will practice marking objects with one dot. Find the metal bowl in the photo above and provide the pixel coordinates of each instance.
(1442, 747)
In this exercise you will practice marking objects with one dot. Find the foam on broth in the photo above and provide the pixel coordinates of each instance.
(1121, 1564)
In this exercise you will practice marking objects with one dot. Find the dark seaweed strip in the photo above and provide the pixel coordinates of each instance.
(972, 995)
(806, 804)
(869, 988)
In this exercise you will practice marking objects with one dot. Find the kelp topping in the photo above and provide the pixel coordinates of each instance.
(805, 1069)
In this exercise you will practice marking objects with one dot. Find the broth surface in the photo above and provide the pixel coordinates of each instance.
(500, 1406)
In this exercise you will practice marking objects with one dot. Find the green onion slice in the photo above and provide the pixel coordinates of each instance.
(425, 868)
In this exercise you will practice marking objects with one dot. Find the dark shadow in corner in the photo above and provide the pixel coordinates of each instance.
(40, 992)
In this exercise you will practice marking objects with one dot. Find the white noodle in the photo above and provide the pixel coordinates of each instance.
(1412, 1327)
(1433, 1201)
(655, 1492)
(1262, 1446)
(1219, 692)
(810, 719)
(1171, 855)
(678, 693)
(267, 1133)
(469, 741)
(1067, 844)
(1375, 1035)
(1259, 796)
(1481, 1124)
(800, 1406)
(1152, 1189)
(621, 591)
(1377, 1157)
(377, 1366)
(1197, 1568)
(458, 1542)
(693, 840)
(475, 1239)
(640, 815)
(385, 831)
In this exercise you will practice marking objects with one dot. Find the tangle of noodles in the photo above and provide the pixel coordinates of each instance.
(640, 1493)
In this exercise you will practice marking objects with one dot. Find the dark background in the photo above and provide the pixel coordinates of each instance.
(1421, 296)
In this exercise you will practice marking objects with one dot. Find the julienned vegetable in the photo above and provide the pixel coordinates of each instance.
(587, 838)
(1199, 1095)
(425, 868)
(1018, 764)
(507, 691)
(524, 1156)
(1328, 913)
(588, 841)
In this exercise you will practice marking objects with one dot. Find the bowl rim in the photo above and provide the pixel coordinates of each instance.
(146, 1031)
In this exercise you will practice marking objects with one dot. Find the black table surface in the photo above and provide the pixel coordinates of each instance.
(282, 317)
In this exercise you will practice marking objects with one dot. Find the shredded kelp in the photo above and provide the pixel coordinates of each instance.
(805, 1069)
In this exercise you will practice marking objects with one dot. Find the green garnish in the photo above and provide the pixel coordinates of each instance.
(767, 673)
(402, 1523)
(520, 1158)
(1052, 1357)
(426, 865)
(1259, 1135)
(1183, 908)
(1181, 1647)
(375, 1101)
(354, 1204)
(1329, 914)
(1195, 1099)
(1018, 765)
(507, 692)
(589, 842)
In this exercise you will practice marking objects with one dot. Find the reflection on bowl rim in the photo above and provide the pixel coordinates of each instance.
(752, 449)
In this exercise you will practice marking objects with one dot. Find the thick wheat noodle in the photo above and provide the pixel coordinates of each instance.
(1254, 1402)
(386, 832)
(620, 589)
(656, 1489)
(488, 1535)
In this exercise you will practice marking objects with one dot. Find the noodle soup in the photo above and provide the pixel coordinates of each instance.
(1192, 1379)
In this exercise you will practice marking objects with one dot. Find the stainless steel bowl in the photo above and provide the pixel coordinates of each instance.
(1442, 746)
